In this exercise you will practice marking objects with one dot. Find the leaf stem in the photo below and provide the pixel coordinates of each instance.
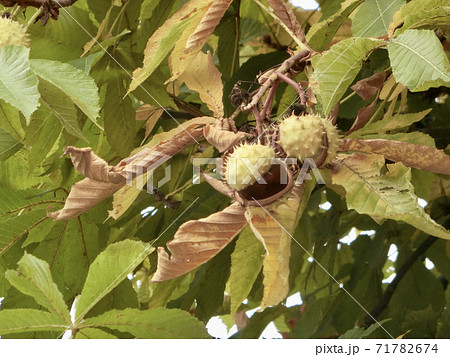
(35, 16)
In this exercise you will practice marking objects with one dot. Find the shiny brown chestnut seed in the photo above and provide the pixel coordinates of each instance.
(271, 190)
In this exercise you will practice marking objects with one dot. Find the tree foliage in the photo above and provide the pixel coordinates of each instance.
(116, 222)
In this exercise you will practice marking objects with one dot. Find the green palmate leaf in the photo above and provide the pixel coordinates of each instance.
(163, 40)
(94, 333)
(321, 33)
(43, 129)
(62, 40)
(335, 70)
(10, 120)
(33, 278)
(16, 218)
(420, 14)
(361, 332)
(119, 117)
(373, 17)
(23, 320)
(8, 145)
(73, 82)
(62, 108)
(418, 60)
(18, 84)
(246, 263)
(108, 270)
(158, 323)
(394, 122)
(390, 195)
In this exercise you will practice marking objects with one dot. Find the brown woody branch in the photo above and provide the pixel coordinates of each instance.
(37, 3)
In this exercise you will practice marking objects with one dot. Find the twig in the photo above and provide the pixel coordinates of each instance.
(284, 68)
(400, 274)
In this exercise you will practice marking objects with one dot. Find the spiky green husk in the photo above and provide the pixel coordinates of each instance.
(12, 33)
(301, 137)
(238, 169)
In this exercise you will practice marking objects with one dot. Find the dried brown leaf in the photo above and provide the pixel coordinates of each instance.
(363, 117)
(287, 16)
(91, 166)
(273, 225)
(367, 87)
(84, 195)
(186, 50)
(418, 156)
(223, 140)
(198, 241)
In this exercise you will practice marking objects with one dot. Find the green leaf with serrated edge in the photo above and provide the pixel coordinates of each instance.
(158, 323)
(320, 34)
(163, 40)
(419, 14)
(93, 333)
(74, 82)
(33, 277)
(43, 129)
(246, 263)
(418, 60)
(108, 270)
(16, 218)
(62, 109)
(10, 120)
(62, 40)
(394, 122)
(119, 117)
(390, 195)
(18, 83)
(336, 69)
(24, 320)
(361, 332)
(373, 17)
(429, 18)
(8, 145)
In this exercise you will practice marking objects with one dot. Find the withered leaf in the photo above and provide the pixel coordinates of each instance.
(198, 241)
(223, 140)
(418, 156)
(84, 195)
(287, 16)
(91, 166)
(186, 50)
(273, 225)
(367, 87)
(363, 117)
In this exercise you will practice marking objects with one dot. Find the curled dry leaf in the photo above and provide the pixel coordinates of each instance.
(84, 195)
(219, 185)
(367, 87)
(273, 225)
(198, 241)
(91, 166)
(418, 156)
(103, 180)
(363, 116)
(287, 16)
(150, 158)
(196, 40)
(223, 140)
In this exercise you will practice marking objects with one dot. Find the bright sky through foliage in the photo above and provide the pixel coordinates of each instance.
(305, 4)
